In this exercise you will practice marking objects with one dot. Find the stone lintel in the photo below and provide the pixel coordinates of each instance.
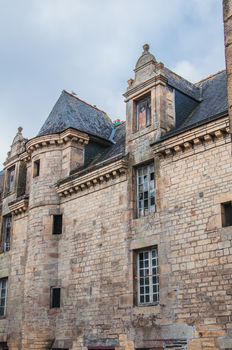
(89, 180)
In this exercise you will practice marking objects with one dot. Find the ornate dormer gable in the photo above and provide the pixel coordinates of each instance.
(17, 147)
(150, 100)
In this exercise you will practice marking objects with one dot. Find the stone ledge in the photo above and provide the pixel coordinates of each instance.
(19, 206)
(99, 176)
(69, 135)
(191, 139)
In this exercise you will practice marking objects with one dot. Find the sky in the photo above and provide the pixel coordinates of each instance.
(91, 47)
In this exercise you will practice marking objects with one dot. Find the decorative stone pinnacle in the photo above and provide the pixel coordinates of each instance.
(20, 129)
(146, 48)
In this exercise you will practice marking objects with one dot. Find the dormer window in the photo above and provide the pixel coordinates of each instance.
(143, 113)
(10, 179)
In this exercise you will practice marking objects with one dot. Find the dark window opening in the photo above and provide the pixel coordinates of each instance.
(3, 346)
(226, 211)
(57, 224)
(10, 179)
(36, 168)
(55, 297)
(143, 113)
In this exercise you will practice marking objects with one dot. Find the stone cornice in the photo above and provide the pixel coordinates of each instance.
(191, 139)
(54, 139)
(19, 206)
(159, 78)
(89, 180)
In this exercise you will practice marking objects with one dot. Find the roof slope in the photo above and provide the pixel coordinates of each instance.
(190, 112)
(214, 99)
(71, 112)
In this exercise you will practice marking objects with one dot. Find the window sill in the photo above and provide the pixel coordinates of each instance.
(147, 309)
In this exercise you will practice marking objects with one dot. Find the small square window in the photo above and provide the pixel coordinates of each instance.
(55, 297)
(36, 168)
(143, 113)
(57, 224)
(226, 211)
(147, 276)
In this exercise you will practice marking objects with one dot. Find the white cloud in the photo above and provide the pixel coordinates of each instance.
(187, 70)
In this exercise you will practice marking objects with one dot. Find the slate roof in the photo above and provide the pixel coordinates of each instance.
(195, 104)
(213, 104)
(71, 112)
(182, 84)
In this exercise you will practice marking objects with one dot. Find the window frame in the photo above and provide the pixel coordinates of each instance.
(10, 184)
(152, 300)
(4, 279)
(141, 100)
(151, 208)
(6, 243)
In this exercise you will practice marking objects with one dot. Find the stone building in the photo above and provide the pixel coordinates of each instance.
(120, 237)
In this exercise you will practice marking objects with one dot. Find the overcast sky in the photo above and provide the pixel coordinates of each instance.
(91, 47)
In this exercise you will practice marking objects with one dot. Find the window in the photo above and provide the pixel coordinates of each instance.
(148, 278)
(226, 210)
(143, 113)
(3, 296)
(145, 190)
(55, 297)
(36, 168)
(10, 179)
(6, 234)
(57, 224)
(3, 346)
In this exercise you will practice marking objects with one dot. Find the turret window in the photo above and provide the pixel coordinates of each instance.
(36, 168)
(143, 113)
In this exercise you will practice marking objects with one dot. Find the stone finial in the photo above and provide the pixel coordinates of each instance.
(17, 146)
(145, 58)
(130, 82)
(146, 48)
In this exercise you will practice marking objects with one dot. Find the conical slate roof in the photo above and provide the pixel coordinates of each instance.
(71, 112)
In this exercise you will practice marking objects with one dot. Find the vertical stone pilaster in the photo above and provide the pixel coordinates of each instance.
(227, 14)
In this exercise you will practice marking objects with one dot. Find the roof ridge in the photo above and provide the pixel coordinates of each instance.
(78, 98)
(210, 76)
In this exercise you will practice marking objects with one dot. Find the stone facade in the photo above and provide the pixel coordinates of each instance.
(94, 260)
